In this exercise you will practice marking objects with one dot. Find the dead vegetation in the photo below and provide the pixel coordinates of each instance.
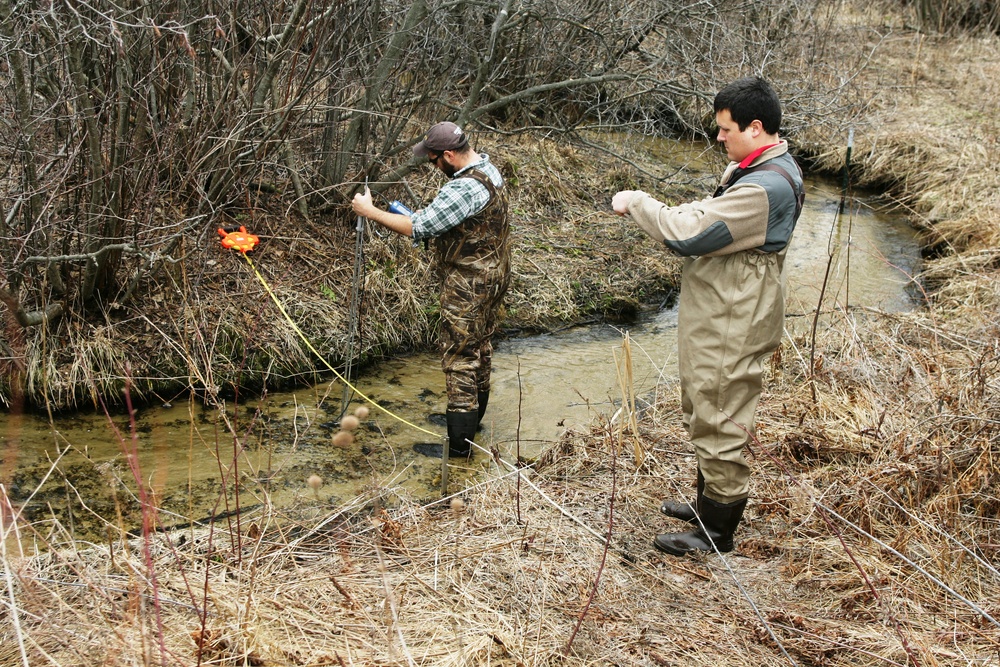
(872, 540)
(216, 328)
(872, 535)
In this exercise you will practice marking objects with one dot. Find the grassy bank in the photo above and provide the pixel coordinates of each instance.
(211, 324)
(871, 537)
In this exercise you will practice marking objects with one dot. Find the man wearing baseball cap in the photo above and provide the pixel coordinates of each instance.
(468, 226)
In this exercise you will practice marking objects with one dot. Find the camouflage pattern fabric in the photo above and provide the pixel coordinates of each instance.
(473, 260)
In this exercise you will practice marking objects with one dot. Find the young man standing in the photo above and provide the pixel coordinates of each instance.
(731, 310)
(467, 222)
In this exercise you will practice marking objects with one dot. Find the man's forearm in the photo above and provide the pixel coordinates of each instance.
(401, 224)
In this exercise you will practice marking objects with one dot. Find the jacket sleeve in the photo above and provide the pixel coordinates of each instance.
(713, 226)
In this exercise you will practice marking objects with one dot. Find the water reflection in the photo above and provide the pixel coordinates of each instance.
(568, 379)
(542, 386)
(872, 256)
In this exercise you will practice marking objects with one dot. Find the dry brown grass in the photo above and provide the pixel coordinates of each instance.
(217, 328)
(872, 540)
(933, 137)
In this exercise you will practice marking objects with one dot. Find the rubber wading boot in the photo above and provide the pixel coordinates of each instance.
(461, 427)
(484, 399)
(720, 521)
(439, 419)
(682, 509)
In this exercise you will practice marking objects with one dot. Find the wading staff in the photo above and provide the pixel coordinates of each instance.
(845, 182)
(354, 315)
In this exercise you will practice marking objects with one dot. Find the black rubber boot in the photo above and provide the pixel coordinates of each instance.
(484, 398)
(720, 521)
(683, 510)
(461, 427)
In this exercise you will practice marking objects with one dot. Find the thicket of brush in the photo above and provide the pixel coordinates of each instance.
(136, 137)
(871, 537)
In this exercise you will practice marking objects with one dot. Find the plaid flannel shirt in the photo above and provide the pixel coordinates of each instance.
(458, 200)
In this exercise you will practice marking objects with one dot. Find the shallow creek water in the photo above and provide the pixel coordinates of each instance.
(62, 473)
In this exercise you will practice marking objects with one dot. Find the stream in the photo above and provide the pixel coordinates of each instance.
(72, 477)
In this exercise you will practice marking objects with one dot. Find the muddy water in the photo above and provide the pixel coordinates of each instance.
(569, 378)
(75, 475)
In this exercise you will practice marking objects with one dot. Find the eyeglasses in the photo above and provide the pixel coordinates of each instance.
(433, 159)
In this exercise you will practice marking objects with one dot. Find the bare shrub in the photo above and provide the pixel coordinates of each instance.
(957, 15)
(140, 128)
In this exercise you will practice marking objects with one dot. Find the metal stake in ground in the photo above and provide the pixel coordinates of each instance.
(354, 325)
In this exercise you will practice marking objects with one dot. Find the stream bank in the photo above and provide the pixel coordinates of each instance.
(196, 456)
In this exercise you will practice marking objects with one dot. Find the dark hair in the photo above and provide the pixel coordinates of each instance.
(748, 99)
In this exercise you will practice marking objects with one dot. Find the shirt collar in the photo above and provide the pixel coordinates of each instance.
(483, 159)
(748, 160)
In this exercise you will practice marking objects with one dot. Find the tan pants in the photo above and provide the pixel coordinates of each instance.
(730, 318)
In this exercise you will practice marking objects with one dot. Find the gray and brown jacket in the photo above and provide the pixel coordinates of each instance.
(755, 213)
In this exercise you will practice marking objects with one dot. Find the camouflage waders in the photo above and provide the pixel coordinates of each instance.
(474, 263)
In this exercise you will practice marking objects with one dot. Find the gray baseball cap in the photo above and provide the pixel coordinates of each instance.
(441, 137)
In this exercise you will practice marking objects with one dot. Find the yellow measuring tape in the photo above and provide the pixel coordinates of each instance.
(320, 356)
